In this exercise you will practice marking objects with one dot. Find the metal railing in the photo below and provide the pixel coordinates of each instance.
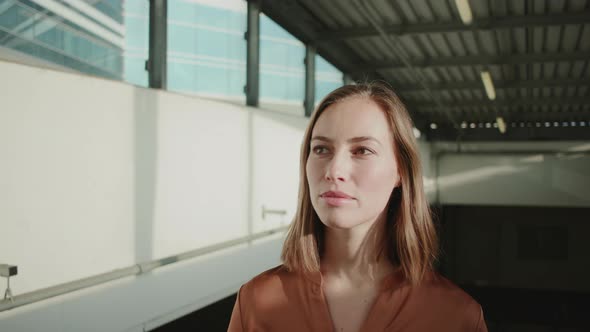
(136, 269)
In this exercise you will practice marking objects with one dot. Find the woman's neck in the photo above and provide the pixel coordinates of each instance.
(357, 253)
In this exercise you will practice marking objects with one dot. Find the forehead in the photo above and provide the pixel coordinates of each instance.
(351, 117)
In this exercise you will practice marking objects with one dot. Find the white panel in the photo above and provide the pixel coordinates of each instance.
(428, 170)
(202, 184)
(97, 175)
(66, 175)
(515, 179)
(276, 147)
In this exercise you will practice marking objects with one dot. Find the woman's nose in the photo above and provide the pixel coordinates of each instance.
(337, 169)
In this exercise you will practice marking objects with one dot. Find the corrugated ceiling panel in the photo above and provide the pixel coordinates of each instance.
(485, 49)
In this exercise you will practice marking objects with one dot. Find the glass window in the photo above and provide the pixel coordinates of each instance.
(206, 48)
(70, 36)
(137, 41)
(327, 78)
(282, 71)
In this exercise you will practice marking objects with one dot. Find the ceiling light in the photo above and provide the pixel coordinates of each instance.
(417, 133)
(488, 84)
(501, 124)
(433, 126)
(464, 11)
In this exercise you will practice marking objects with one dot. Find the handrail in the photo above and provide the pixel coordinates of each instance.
(136, 269)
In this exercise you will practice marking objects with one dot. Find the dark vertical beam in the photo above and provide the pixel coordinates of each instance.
(309, 79)
(253, 54)
(158, 44)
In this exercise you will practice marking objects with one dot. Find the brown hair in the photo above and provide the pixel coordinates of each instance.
(411, 239)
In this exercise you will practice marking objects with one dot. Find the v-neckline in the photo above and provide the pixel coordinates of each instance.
(391, 282)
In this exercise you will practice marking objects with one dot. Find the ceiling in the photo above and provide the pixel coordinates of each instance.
(535, 51)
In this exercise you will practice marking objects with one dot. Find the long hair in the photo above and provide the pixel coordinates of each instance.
(411, 240)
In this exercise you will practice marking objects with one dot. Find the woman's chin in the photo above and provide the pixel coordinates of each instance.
(340, 222)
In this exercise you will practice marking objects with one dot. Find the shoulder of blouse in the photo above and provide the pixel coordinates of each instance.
(267, 291)
(272, 281)
(269, 277)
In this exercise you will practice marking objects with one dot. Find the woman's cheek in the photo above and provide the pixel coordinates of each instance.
(375, 178)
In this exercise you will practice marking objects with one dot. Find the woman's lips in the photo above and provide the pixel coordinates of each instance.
(336, 201)
(336, 198)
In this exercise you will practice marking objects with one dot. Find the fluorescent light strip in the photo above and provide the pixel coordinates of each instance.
(464, 11)
(501, 124)
(488, 84)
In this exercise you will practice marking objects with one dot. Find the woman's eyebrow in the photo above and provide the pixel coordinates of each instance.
(350, 140)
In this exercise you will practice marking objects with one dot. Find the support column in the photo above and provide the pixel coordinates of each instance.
(158, 44)
(309, 79)
(253, 54)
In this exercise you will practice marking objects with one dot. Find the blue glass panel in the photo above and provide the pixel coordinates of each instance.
(206, 49)
(136, 41)
(282, 71)
(327, 78)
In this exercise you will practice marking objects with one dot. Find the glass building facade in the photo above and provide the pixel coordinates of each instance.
(85, 36)
(206, 45)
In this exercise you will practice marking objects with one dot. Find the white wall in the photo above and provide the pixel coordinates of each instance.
(428, 169)
(514, 174)
(97, 175)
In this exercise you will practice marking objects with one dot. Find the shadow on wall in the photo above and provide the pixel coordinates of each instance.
(146, 155)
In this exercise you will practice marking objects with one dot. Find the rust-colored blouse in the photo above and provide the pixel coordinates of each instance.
(278, 300)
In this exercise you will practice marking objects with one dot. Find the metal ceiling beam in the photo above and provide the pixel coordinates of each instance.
(477, 84)
(471, 60)
(456, 26)
(510, 102)
(531, 117)
(512, 134)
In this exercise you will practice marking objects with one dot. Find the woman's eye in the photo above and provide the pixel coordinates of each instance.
(320, 150)
(363, 151)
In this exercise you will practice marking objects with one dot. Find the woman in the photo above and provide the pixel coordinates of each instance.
(359, 254)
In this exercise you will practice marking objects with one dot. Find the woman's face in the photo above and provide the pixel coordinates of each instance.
(351, 168)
